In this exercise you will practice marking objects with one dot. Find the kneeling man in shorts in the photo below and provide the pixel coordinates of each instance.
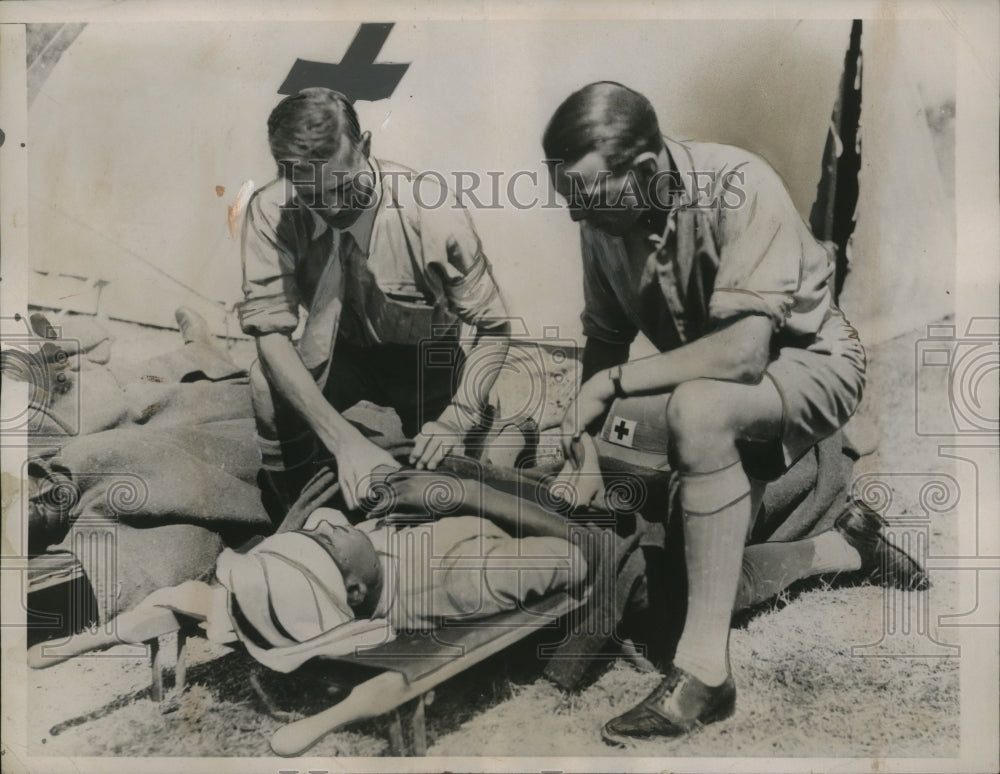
(700, 248)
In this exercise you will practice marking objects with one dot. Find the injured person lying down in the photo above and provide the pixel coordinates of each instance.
(322, 586)
(330, 587)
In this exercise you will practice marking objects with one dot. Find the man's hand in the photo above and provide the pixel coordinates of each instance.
(434, 441)
(580, 483)
(356, 456)
(591, 402)
(356, 463)
(320, 489)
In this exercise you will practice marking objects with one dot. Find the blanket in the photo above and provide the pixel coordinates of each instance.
(144, 470)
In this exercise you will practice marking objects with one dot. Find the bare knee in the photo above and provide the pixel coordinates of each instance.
(701, 425)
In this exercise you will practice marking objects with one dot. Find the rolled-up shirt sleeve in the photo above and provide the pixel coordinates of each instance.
(475, 297)
(763, 247)
(271, 298)
(603, 316)
(452, 246)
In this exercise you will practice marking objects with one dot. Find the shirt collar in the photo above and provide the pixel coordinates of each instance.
(680, 156)
(361, 229)
(681, 162)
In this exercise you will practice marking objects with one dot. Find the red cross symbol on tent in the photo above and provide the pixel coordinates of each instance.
(356, 76)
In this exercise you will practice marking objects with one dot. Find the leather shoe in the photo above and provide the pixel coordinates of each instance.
(679, 704)
(882, 563)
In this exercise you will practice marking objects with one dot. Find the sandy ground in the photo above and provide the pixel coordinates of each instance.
(822, 672)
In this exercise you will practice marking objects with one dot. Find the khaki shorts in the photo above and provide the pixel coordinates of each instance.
(820, 388)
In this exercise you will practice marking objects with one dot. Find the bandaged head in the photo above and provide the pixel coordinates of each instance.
(284, 591)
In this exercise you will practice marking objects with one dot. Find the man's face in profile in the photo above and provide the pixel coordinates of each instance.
(338, 189)
(609, 201)
(356, 559)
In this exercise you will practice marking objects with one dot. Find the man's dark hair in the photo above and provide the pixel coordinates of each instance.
(310, 126)
(607, 117)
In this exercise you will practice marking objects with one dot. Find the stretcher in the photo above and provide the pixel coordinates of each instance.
(385, 678)
(407, 669)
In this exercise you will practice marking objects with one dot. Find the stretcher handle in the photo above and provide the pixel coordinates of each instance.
(383, 693)
(136, 627)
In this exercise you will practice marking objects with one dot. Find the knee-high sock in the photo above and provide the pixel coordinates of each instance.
(769, 568)
(716, 518)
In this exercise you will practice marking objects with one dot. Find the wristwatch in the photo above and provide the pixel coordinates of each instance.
(615, 374)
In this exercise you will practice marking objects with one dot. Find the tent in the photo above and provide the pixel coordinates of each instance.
(902, 252)
(142, 135)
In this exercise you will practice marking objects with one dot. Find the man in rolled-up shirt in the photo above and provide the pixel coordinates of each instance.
(699, 247)
(389, 267)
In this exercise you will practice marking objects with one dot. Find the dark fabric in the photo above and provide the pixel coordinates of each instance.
(126, 563)
(419, 655)
(824, 476)
(149, 466)
(154, 507)
(417, 382)
(614, 584)
(202, 474)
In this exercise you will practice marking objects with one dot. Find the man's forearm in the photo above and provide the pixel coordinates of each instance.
(599, 355)
(483, 364)
(519, 517)
(287, 374)
(739, 353)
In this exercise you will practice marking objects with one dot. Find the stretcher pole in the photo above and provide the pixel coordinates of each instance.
(135, 627)
(383, 693)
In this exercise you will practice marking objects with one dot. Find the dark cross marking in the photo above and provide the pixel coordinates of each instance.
(356, 76)
(621, 429)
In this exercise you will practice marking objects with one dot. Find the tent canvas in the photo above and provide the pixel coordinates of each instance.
(143, 135)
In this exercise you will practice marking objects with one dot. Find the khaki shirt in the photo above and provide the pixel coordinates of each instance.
(734, 245)
(467, 567)
(407, 270)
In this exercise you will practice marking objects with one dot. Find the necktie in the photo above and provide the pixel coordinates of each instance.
(669, 273)
(316, 344)
(358, 281)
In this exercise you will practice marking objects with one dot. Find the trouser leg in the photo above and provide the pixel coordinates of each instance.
(417, 382)
(290, 452)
